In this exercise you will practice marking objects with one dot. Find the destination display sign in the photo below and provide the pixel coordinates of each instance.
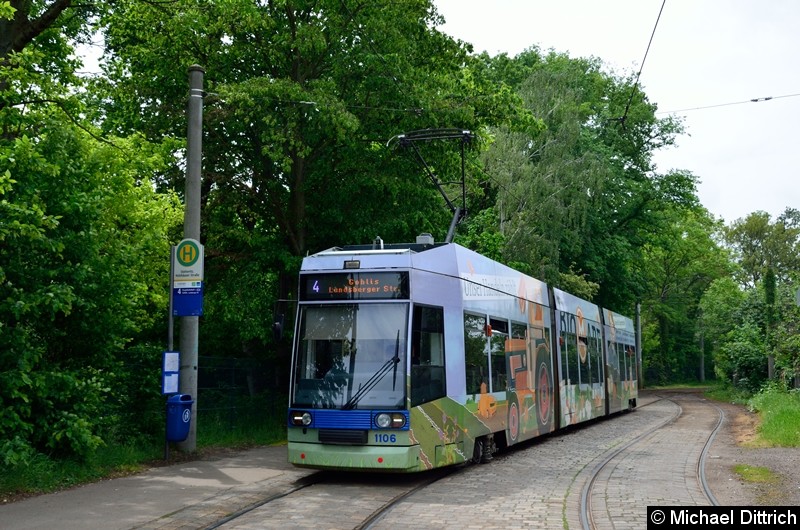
(354, 286)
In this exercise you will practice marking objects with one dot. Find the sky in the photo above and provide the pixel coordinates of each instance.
(707, 60)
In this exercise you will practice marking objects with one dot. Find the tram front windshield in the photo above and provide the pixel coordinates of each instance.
(351, 356)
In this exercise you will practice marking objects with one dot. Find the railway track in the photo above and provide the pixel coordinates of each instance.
(332, 500)
(624, 473)
(601, 475)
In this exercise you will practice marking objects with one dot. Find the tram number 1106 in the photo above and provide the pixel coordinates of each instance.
(385, 438)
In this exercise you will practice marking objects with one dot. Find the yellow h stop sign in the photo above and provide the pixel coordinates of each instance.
(187, 278)
(188, 263)
(188, 253)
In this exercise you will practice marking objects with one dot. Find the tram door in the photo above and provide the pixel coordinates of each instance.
(485, 340)
(427, 355)
(485, 353)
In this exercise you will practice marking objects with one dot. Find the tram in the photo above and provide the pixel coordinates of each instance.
(409, 357)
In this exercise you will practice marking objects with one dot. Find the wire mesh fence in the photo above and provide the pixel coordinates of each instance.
(238, 392)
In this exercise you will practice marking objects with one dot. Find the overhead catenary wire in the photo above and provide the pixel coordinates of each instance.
(717, 105)
(641, 66)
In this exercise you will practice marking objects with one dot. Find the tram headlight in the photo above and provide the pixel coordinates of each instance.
(385, 420)
(301, 418)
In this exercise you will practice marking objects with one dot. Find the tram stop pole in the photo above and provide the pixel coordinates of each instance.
(189, 330)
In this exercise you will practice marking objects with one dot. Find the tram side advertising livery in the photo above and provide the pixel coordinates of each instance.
(417, 356)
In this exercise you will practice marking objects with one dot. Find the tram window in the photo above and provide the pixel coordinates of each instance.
(595, 354)
(427, 355)
(585, 370)
(518, 330)
(475, 352)
(517, 348)
(628, 355)
(562, 350)
(613, 361)
(499, 326)
(574, 359)
(498, 351)
(324, 354)
(428, 336)
(598, 367)
(342, 351)
(569, 350)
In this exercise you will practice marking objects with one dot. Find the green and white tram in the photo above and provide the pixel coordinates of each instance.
(409, 357)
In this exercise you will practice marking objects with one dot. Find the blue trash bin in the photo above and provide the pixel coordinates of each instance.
(179, 417)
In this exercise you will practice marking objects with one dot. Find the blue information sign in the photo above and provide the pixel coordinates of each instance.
(187, 299)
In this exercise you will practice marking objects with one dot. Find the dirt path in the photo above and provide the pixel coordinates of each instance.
(736, 445)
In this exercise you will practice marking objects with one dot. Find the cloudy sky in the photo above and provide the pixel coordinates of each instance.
(708, 59)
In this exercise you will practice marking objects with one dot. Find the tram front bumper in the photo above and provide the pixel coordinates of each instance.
(348, 457)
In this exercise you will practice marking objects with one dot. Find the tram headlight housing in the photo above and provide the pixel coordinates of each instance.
(386, 420)
(301, 418)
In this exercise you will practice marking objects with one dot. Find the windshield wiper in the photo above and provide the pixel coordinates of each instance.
(376, 377)
(396, 359)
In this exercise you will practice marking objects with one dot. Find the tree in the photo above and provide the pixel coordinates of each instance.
(786, 336)
(721, 313)
(23, 21)
(769, 302)
(305, 98)
(84, 235)
(740, 360)
(759, 244)
(578, 198)
(767, 256)
(36, 63)
(84, 271)
(721, 306)
(679, 265)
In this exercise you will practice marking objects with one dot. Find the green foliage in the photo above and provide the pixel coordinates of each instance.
(741, 358)
(134, 407)
(723, 390)
(678, 265)
(6, 11)
(780, 413)
(578, 284)
(302, 100)
(763, 475)
(763, 298)
(785, 334)
(480, 233)
(84, 265)
(56, 412)
(258, 420)
(577, 198)
(720, 309)
(759, 244)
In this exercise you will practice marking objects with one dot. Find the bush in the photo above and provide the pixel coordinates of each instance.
(741, 359)
(54, 412)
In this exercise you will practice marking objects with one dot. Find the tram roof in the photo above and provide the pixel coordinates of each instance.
(383, 255)
(443, 258)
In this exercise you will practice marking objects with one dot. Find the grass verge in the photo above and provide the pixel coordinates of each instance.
(780, 416)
